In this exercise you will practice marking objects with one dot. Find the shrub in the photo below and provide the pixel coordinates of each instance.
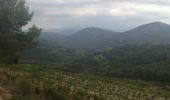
(25, 88)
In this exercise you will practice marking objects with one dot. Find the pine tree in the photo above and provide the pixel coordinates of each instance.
(14, 14)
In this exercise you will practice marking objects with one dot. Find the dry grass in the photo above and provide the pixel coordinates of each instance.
(83, 87)
(5, 94)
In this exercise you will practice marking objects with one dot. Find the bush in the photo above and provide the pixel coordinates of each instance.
(19, 98)
(51, 94)
(25, 88)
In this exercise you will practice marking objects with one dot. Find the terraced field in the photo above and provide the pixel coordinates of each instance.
(53, 84)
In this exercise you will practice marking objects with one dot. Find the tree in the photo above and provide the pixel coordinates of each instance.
(14, 14)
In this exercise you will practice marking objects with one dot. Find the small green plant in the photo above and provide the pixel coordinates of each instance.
(20, 98)
(51, 94)
(25, 88)
(23, 91)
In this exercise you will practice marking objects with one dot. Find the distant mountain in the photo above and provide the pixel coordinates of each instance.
(52, 36)
(48, 43)
(96, 38)
(156, 33)
(151, 27)
(88, 38)
(65, 31)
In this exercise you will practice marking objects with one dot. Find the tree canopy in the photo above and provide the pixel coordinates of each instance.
(14, 14)
(146, 61)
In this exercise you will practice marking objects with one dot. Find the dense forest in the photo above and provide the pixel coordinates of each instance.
(147, 62)
(51, 55)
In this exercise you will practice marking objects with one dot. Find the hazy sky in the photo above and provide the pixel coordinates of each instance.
(118, 15)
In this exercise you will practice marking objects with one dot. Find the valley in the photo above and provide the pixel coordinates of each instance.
(84, 50)
(131, 69)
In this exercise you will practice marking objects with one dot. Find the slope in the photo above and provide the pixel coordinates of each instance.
(89, 38)
(42, 83)
(146, 62)
(100, 39)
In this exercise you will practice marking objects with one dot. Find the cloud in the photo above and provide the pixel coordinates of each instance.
(117, 15)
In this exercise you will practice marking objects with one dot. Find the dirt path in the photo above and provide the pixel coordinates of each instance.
(4, 94)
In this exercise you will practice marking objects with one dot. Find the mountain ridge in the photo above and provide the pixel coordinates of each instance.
(88, 37)
(97, 38)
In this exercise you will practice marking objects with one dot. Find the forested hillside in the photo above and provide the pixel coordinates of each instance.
(88, 38)
(147, 62)
(51, 55)
(100, 39)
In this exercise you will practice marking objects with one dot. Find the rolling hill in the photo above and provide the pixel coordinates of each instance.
(156, 33)
(51, 55)
(55, 50)
(99, 39)
(146, 62)
(52, 36)
(89, 38)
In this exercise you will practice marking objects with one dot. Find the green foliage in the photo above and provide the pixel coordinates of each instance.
(51, 94)
(14, 14)
(146, 62)
(8, 46)
(25, 88)
(51, 55)
(19, 98)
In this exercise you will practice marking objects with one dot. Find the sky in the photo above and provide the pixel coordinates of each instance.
(117, 15)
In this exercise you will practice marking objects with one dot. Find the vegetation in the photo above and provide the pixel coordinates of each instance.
(146, 62)
(51, 55)
(149, 62)
(43, 83)
(14, 14)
